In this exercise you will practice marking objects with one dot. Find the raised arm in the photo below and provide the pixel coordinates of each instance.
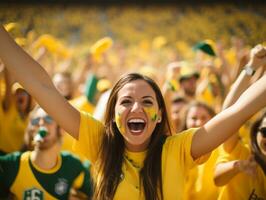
(226, 123)
(8, 91)
(38, 83)
(241, 84)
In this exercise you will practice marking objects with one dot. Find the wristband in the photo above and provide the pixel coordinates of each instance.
(249, 70)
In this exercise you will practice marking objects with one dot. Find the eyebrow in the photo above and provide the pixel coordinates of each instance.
(144, 97)
(147, 97)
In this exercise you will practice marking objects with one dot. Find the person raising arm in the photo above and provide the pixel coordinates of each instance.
(132, 147)
(37, 82)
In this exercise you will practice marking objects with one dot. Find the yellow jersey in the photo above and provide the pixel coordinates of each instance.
(176, 160)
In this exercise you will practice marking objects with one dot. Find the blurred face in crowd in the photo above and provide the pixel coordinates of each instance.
(42, 119)
(176, 107)
(189, 85)
(22, 100)
(63, 84)
(136, 114)
(261, 137)
(197, 116)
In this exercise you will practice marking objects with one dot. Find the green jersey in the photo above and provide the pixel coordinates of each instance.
(23, 179)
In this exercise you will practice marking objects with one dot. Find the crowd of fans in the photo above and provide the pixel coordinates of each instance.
(195, 88)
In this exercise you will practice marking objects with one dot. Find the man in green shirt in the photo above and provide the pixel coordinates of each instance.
(45, 172)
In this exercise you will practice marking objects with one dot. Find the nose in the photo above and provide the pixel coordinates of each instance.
(41, 122)
(136, 107)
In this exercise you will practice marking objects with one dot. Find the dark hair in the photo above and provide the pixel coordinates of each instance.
(183, 78)
(178, 98)
(196, 104)
(29, 103)
(109, 164)
(254, 144)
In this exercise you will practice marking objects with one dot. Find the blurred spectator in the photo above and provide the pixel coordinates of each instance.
(44, 172)
(14, 109)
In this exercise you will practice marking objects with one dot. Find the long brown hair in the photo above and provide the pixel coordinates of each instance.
(111, 156)
(259, 157)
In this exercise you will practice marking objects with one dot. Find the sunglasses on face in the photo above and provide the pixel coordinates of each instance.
(47, 119)
(263, 131)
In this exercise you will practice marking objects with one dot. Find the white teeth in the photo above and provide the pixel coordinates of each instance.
(136, 121)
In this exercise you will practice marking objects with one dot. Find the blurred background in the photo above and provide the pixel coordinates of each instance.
(153, 33)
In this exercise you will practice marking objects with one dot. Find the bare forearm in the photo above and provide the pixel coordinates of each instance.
(224, 172)
(226, 123)
(237, 89)
(38, 83)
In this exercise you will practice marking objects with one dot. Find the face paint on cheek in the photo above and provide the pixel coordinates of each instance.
(152, 113)
(118, 121)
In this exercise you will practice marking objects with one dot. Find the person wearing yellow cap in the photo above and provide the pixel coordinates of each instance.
(188, 80)
(15, 105)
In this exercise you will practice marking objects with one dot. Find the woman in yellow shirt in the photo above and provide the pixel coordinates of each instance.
(238, 172)
(199, 182)
(131, 158)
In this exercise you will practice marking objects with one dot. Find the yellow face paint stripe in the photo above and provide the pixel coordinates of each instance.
(152, 113)
(119, 124)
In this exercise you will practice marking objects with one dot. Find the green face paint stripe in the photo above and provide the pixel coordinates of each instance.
(154, 117)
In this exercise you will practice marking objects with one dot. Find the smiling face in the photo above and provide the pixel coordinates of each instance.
(137, 114)
(260, 139)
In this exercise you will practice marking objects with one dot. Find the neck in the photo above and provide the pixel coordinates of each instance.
(137, 148)
(45, 159)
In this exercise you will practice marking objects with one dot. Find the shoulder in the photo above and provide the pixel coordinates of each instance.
(9, 167)
(11, 157)
(182, 136)
(180, 142)
(73, 161)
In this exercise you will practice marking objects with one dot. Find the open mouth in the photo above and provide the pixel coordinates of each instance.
(136, 126)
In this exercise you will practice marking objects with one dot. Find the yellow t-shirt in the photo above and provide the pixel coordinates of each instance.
(176, 160)
(82, 104)
(242, 186)
(200, 181)
(12, 129)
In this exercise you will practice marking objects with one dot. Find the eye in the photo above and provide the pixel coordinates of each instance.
(194, 118)
(147, 102)
(125, 102)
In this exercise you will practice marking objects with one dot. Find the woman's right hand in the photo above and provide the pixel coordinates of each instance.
(247, 166)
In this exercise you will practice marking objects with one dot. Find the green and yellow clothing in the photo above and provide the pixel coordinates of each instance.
(200, 183)
(242, 186)
(12, 129)
(176, 160)
(22, 178)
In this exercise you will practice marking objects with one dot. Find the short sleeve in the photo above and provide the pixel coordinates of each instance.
(179, 147)
(90, 135)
